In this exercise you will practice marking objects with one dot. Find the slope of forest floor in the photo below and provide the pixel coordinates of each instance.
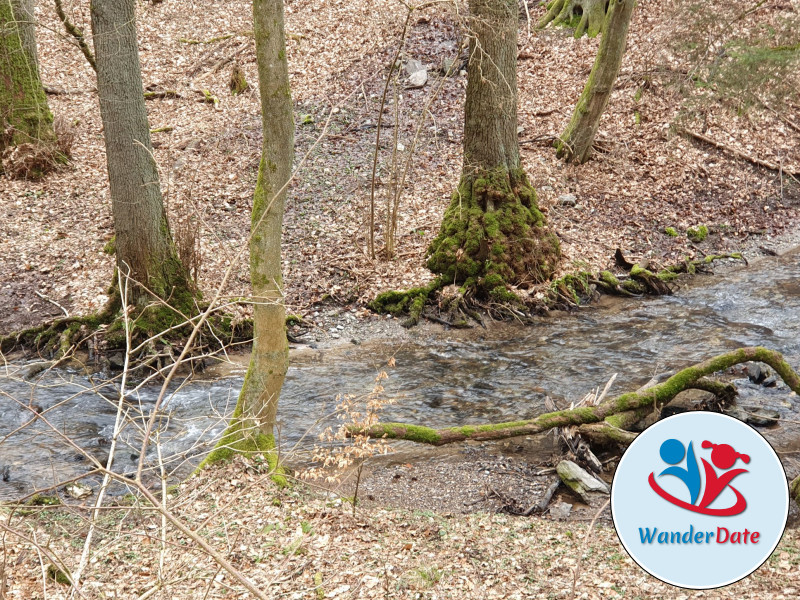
(645, 178)
(299, 544)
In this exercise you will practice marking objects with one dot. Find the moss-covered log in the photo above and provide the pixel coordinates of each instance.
(618, 412)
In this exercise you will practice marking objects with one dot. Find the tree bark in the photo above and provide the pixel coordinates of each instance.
(24, 114)
(144, 247)
(493, 234)
(575, 144)
(251, 428)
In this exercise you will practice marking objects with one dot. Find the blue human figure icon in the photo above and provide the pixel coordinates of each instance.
(672, 453)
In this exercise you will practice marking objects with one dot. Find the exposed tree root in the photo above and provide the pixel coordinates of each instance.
(459, 307)
(586, 16)
(156, 333)
(410, 302)
(642, 281)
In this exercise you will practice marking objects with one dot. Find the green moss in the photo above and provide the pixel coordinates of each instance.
(671, 231)
(411, 302)
(57, 575)
(43, 500)
(666, 275)
(236, 440)
(608, 278)
(111, 246)
(573, 288)
(414, 433)
(697, 234)
(493, 232)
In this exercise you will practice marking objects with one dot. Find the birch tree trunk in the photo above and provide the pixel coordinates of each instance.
(144, 247)
(25, 117)
(493, 234)
(251, 427)
(575, 144)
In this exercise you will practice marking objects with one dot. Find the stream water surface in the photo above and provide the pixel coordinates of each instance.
(440, 379)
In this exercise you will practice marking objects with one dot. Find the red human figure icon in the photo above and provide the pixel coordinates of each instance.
(724, 457)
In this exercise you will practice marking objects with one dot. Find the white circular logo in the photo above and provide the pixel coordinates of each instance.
(700, 500)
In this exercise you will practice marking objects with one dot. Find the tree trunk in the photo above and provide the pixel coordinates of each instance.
(24, 115)
(493, 233)
(144, 246)
(575, 143)
(251, 428)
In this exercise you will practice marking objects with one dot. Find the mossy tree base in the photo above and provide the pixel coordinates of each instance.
(238, 441)
(586, 16)
(493, 236)
(104, 333)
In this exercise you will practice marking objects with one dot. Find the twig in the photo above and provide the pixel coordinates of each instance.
(583, 548)
(392, 67)
(77, 33)
(43, 297)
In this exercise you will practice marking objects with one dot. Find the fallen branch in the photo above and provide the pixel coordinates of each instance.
(213, 40)
(161, 94)
(615, 414)
(739, 154)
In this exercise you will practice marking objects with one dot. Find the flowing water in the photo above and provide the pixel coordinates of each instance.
(440, 379)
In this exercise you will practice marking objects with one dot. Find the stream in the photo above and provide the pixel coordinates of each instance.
(441, 378)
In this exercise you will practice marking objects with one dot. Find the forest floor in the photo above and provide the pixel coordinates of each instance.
(645, 178)
(298, 543)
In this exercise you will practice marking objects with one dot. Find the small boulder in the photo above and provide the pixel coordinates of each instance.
(570, 200)
(755, 373)
(761, 417)
(560, 511)
(31, 370)
(770, 381)
(78, 490)
(579, 480)
(417, 74)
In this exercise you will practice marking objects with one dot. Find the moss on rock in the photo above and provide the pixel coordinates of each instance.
(697, 234)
